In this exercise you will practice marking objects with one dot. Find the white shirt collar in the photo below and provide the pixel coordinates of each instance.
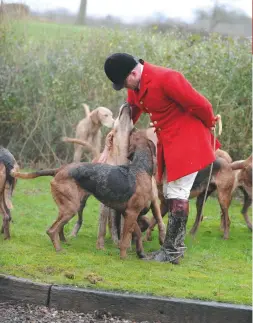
(140, 77)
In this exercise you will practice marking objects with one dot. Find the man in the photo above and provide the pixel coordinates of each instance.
(182, 118)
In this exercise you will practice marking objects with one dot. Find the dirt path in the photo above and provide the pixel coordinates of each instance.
(24, 313)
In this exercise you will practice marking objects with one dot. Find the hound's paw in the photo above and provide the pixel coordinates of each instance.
(141, 255)
(100, 246)
(162, 237)
(59, 250)
(144, 239)
(148, 235)
(123, 255)
(193, 232)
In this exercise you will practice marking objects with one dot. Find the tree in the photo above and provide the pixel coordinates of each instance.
(81, 16)
(220, 13)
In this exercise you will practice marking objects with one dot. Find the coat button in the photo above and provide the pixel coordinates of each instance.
(151, 124)
(141, 102)
(150, 114)
(155, 122)
(159, 129)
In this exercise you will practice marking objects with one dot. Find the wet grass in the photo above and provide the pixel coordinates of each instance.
(213, 269)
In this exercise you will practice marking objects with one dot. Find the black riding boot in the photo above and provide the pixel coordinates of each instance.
(173, 247)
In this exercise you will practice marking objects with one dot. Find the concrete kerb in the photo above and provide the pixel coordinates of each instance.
(129, 306)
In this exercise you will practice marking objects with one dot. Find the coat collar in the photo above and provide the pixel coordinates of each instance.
(146, 78)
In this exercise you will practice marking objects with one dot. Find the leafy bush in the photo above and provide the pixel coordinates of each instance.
(47, 71)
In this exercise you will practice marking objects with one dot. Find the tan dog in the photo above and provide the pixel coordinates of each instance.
(244, 175)
(222, 180)
(127, 189)
(7, 185)
(115, 153)
(89, 129)
(229, 177)
(243, 180)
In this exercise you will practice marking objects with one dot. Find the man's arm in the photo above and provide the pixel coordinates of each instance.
(177, 87)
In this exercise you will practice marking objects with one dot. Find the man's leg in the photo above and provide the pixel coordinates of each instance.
(177, 194)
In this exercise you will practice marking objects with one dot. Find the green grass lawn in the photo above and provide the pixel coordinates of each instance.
(213, 269)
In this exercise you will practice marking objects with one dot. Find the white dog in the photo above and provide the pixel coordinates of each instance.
(89, 129)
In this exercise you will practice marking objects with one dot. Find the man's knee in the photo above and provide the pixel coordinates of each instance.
(176, 193)
(179, 189)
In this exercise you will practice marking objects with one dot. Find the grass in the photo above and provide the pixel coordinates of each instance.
(48, 70)
(213, 269)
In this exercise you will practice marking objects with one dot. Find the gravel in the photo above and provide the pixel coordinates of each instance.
(22, 313)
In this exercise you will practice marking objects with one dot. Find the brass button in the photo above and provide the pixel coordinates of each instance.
(141, 102)
(155, 122)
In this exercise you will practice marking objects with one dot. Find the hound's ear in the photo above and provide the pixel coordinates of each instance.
(133, 130)
(131, 151)
(152, 147)
(130, 156)
(2, 176)
(153, 151)
(109, 140)
(94, 115)
(107, 149)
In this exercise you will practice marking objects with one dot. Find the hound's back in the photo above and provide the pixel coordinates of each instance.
(8, 160)
(6, 157)
(105, 182)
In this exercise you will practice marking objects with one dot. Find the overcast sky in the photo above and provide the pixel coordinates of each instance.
(136, 8)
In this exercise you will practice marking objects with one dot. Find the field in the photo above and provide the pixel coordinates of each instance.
(213, 269)
(46, 72)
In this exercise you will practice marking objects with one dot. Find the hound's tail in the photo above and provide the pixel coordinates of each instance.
(77, 141)
(81, 142)
(86, 109)
(240, 164)
(44, 172)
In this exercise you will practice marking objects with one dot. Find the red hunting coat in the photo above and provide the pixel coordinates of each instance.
(182, 118)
